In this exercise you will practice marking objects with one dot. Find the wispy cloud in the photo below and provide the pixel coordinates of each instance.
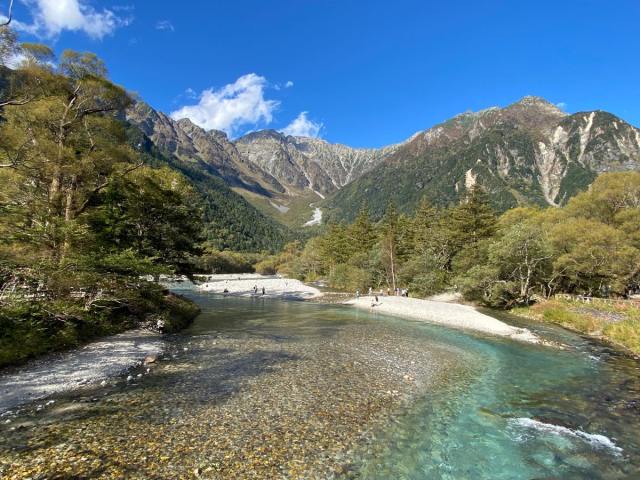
(52, 17)
(231, 107)
(165, 25)
(280, 86)
(561, 105)
(301, 126)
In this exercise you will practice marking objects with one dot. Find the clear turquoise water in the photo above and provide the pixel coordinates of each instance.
(514, 411)
(518, 412)
(510, 411)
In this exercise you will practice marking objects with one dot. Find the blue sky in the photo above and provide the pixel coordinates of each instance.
(367, 73)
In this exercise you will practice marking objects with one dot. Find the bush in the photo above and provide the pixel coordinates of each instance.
(625, 332)
(216, 261)
(348, 278)
(268, 266)
(423, 279)
(31, 328)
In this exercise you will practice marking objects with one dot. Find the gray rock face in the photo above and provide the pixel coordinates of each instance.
(265, 161)
(528, 152)
(211, 149)
(302, 162)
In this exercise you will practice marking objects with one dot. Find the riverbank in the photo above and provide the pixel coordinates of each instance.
(83, 367)
(252, 285)
(617, 323)
(33, 327)
(449, 314)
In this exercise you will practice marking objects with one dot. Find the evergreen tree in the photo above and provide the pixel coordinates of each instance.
(424, 224)
(472, 220)
(336, 245)
(362, 234)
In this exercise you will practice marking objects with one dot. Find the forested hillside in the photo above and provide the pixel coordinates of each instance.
(229, 221)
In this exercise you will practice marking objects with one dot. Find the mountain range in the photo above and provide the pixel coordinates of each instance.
(530, 152)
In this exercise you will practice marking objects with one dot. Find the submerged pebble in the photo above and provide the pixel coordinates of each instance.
(290, 397)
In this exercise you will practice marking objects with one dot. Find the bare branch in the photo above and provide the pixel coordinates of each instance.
(6, 103)
(102, 186)
(9, 15)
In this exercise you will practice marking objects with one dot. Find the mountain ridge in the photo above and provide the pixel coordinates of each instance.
(530, 151)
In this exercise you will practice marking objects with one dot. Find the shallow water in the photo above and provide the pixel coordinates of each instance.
(272, 389)
(519, 412)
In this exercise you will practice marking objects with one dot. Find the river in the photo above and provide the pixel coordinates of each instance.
(261, 388)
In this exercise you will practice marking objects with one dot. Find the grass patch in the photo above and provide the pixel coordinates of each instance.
(618, 323)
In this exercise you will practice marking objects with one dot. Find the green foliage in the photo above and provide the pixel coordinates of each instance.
(591, 246)
(80, 216)
(152, 213)
(618, 322)
(216, 261)
(348, 278)
(268, 266)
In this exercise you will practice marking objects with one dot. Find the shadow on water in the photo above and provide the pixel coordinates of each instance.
(510, 411)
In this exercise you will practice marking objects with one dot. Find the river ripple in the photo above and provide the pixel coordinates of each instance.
(255, 389)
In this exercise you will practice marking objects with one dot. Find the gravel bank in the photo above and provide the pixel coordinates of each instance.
(242, 285)
(85, 366)
(449, 314)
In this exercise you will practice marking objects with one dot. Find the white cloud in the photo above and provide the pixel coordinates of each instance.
(303, 127)
(52, 17)
(165, 25)
(15, 60)
(289, 84)
(561, 105)
(232, 106)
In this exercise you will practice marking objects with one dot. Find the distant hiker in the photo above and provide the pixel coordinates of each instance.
(357, 293)
(376, 297)
(406, 293)
(255, 289)
(388, 292)
(263, 291)
(226, 292)
(370, 291)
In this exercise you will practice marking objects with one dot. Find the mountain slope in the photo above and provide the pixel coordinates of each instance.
(282, 176)
(528, 152)
(308, 163)
(192, 144)
(230, 221)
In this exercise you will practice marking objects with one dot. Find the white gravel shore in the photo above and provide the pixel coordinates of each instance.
(242, 285)
(449, 314)
(85, 366)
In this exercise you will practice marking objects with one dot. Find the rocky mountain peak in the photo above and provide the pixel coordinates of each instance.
(536, 102)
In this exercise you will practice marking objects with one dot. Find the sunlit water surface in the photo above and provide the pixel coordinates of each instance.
(508, 411)
(520, 412)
